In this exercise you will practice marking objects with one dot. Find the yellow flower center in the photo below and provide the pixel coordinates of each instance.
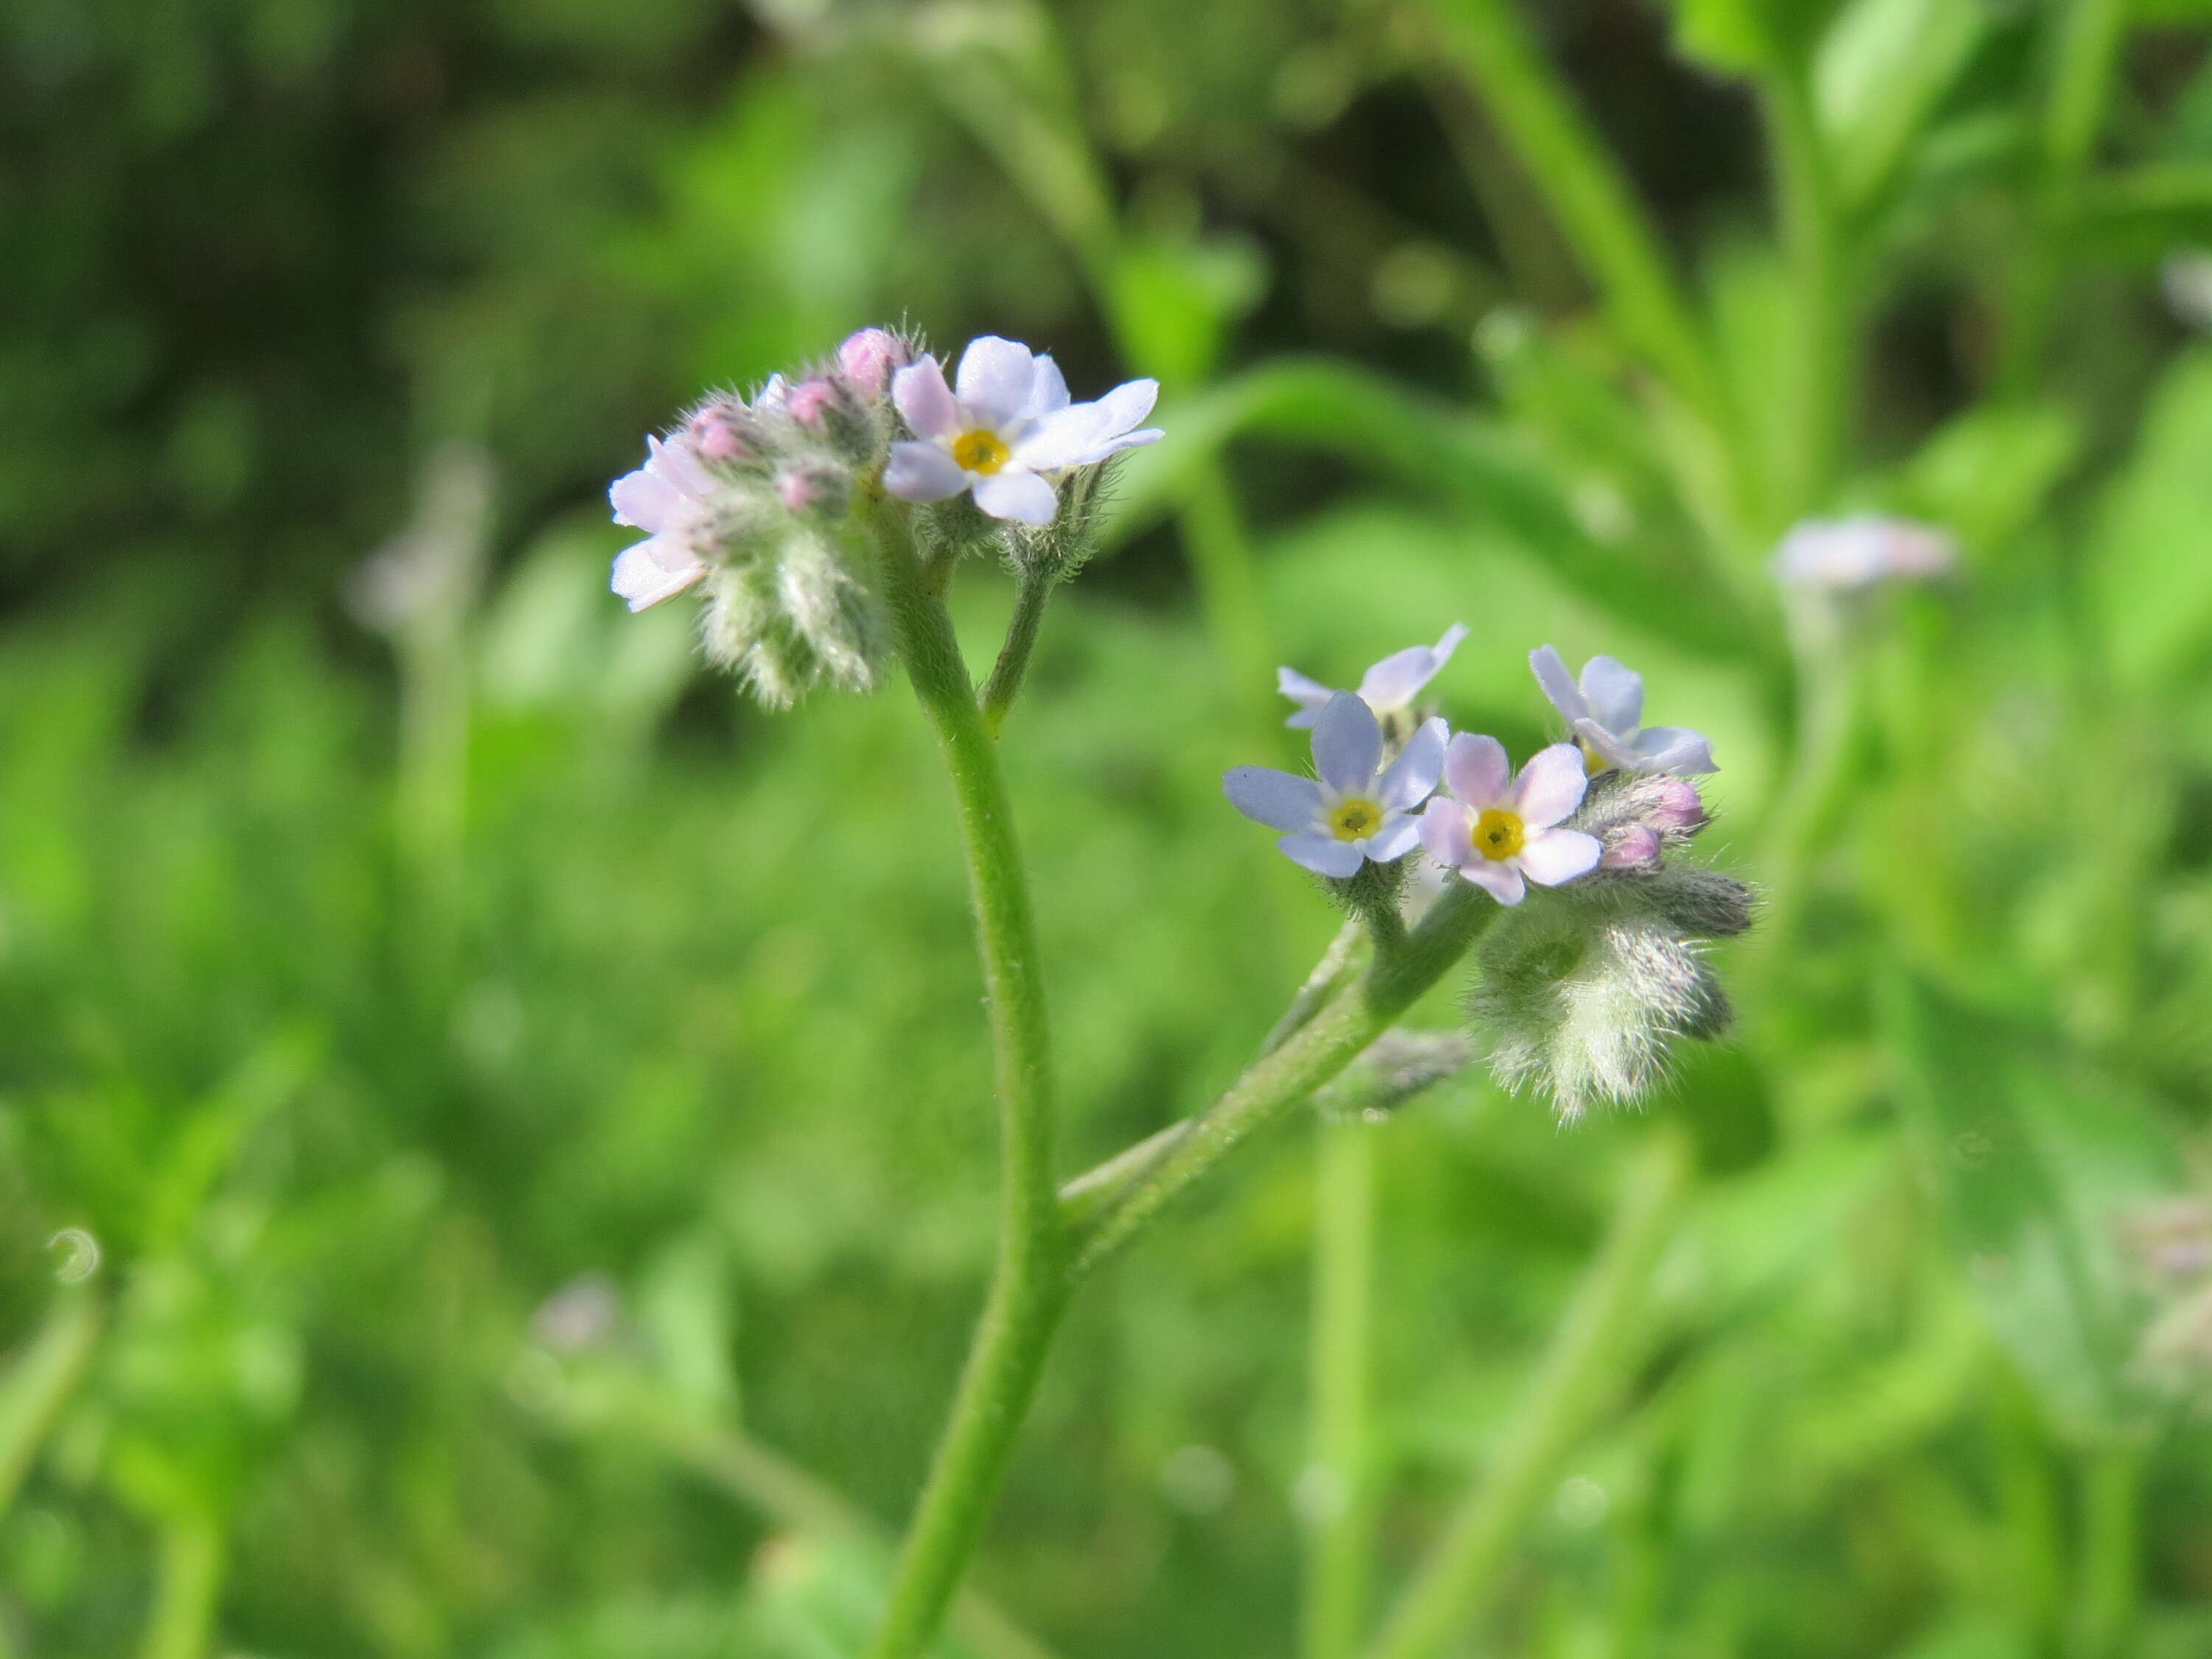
(1498, 835)
(980, 452)
(1354, 819)
(1593, 763)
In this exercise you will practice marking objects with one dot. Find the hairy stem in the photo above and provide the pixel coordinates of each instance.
(38, 1384)
(1335, 1037)
(1337, 1486)
(1005, 681)
(1588, 1352)
(1029, 1287)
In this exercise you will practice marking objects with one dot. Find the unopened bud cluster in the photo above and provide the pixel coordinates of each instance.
(765, 505)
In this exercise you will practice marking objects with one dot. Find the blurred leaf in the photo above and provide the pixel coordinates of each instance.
(1479, 471)
(2143, 214)
(2034, 1168)
(1989, 473)
(1174, 302)
(2149, 564)
(1743, 36)
(1882, 72)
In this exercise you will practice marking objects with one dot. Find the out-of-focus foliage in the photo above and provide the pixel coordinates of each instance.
(531, 1117)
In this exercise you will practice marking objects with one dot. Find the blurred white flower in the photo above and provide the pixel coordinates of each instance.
(1007, 432)
(2187, 279)
(668, 499)
(1501, 833)
(1359, 809)
(1389, 688)
(1842, 556)
(1605, 712)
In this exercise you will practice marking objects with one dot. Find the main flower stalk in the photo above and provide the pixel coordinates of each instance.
(1030, 1285)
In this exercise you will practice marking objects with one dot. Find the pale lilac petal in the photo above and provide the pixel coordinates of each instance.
(642, 578)
(1309, 695)
(1501, 881)
(922, 472)
(1673, 749)
(1121, 411)
(1323, 855)
(774, 396)
(1551, 785)
(1411, 778)
(1347, 745)
(1614, 693)
(1446, 832)
(1549, 857)
(1281, 800)
(1558, 684)
(1022, 497)
(924, 401)
(1477, 771)
(995, 379)
(1393, 840)
(1396, 681)
(645, 501)
(679, 463)
(1066, 437)
(1048, 392)
(1611, 750)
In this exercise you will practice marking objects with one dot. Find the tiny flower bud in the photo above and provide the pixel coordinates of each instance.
(718, 432)
(811, 490)
(1636, 848)
(809, 403)
(869, 358)
(1675, 808)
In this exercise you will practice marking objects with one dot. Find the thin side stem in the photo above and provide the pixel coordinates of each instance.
(1029, 1288)
(1588, 1351)
(1005, 681)
(2108, 1583)
(1611, 237)
(1229, 590)
(1338, 1484)
(1271, 1085)
(187, 1588)
(1820, 390)
(39, 1384)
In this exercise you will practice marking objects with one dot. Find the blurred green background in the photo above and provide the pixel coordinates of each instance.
(529, 1110)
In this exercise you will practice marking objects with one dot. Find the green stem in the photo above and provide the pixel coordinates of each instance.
(1111, 1214)
(1323, 983)
(1611, 237)
(1821, 391)
(1341, 1518)
(186, 1591)
(1005, 681)
(1030, 1287)
(1229, 591)
(1588, 1352)
(39, 1384)
(2109, 1581)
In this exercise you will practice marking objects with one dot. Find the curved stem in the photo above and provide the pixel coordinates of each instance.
(1028, 1286)
(38, 1386)
(187, 1590)
(1005, 681)
(1588, 1351)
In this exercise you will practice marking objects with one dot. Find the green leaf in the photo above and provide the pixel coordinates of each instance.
(1881, 74)
(2033, 1165)
(2150, 562)
(1987, 474)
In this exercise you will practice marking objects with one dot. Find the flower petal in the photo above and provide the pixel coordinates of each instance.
(922, 472)
(1323, 855)
(1552, 856)
(1551, 785)
(1396, 681)
(645, 501)
(1411, 778)
(924, 401)
(1445, 833)
(1673, 749)
(679, 463)
(1281, 800)
(995, 379)
(1613, 749)
(1477, 769)
(641, 577)
(1347, 744)
(1501, 881)
(1397, 837)
(1558, 684)
(1018, 495)
(1309, 695)
(1048, 390)
(1614, 693)
(1123, 408)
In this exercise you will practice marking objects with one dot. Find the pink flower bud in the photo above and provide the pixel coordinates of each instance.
(717, 433)
(799, 491)
(1636, 848)
(1679, 808)
(869, 358)
(810, 401)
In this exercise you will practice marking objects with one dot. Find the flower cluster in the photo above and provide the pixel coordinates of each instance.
(1583, 994)
(764, 504)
